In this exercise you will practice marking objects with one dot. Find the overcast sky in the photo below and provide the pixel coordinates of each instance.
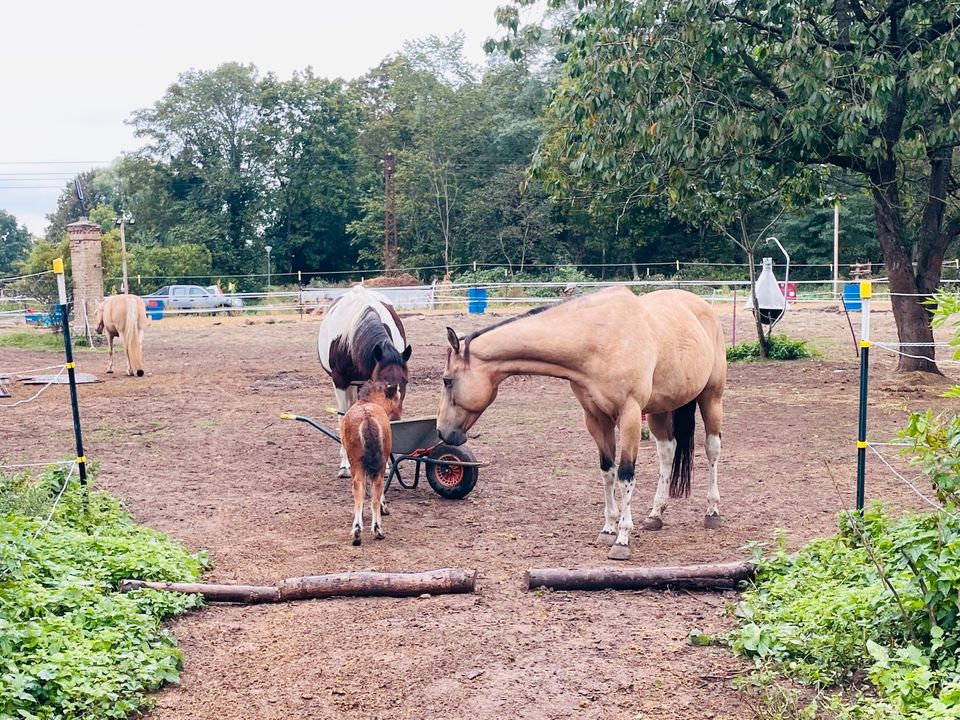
(74, 71)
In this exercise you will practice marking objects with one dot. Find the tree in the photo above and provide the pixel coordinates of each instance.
(14, 243)
(675, 98)
(311, 126)
(98, 186)
(205, 133)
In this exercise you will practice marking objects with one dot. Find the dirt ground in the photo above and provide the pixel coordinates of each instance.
(197, 450)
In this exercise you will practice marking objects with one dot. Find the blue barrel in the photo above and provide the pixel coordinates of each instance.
(477, 300)
(155, 309)
(851, 296)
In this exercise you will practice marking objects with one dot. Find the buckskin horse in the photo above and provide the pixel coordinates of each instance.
(361, 338)
(662, 354)
(124, 316)
(368, 439)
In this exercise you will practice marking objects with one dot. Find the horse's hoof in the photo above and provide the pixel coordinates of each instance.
(109, 372)
(653, 523)
(356, 537)
(384, 510)
(619, 552)
(344, 473)
(607, 539)
(711, 522)
(378, 535)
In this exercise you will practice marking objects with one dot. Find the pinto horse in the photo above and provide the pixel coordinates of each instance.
(368, 439)
(361, 338)
(662, 354)
(124, 316)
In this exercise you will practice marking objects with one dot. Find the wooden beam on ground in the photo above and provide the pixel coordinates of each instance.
(355, 584)
(722, 576)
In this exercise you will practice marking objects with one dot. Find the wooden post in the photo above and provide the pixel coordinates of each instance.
(352, 584)
(723, 576)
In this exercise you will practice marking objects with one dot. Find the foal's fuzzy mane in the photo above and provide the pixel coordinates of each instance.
(483, 331)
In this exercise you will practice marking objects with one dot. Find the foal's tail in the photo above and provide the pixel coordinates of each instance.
(131, 336)
(371, 439)
(684, 424)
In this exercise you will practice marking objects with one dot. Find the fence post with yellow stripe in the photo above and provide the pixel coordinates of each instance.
(71, 366)
(866, 292)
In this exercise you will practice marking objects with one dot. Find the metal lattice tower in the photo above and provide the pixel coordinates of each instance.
(391, 258)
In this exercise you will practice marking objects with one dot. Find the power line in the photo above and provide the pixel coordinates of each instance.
(55, 162)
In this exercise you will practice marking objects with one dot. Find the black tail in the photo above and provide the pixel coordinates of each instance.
(684, 425)
(371, 437)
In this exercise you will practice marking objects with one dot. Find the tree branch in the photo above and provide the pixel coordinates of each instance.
(763, 78)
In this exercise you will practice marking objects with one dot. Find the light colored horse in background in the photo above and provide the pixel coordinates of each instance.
(367, 438)
(361, 338)
(124, 316)
(662, 354)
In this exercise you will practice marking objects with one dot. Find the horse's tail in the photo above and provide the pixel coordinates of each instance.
(98, 317)
(371, 439)
(684, 425)
(131, 336)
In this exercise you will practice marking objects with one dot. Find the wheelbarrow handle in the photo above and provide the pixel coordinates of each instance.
(329, 433)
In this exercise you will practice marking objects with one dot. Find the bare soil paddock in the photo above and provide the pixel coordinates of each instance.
(197, 450)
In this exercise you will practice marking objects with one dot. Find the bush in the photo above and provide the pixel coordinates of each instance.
(781, 348)
(70, 645)
(882, 599)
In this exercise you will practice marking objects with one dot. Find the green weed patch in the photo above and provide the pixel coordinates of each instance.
(70, 645)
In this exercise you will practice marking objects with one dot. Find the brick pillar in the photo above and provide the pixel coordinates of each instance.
(86, 259)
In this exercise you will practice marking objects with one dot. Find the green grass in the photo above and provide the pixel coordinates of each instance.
(781, 348)
(71, 646)
(39, 339)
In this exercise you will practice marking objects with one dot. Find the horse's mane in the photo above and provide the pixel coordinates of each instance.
(529, 313)
(367, 334)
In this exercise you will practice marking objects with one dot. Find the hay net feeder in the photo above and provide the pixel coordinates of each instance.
(771, 299)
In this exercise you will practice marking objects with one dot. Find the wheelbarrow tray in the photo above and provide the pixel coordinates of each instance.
(417, 440)
(414, 434)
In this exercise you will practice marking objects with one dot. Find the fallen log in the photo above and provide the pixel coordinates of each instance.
(722, 576)
(433, 582)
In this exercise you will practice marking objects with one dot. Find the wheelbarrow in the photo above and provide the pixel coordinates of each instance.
(451, 470)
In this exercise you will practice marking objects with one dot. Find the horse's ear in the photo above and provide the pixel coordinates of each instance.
(377, 354)
(453, 339)
(407, 352)
(391, 391)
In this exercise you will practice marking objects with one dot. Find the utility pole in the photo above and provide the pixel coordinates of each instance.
(836, 246)
(123, 221)
(391, 257)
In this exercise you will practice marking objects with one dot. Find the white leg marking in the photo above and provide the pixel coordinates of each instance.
(665, 453)
(344, 401)
(626, 516)
(713, 490)
(611, 512)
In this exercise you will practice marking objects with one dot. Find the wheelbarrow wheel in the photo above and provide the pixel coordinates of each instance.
(452, 481)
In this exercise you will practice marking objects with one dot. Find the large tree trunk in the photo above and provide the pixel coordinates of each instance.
(912, 318)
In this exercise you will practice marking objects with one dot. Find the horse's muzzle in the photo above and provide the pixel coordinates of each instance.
(452, 437)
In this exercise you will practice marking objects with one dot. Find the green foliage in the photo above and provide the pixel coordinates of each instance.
(828, 612)
(148, 266)
(727, 113)
(14, 244)
(935, 439)
(70, 645)
(781, 348)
